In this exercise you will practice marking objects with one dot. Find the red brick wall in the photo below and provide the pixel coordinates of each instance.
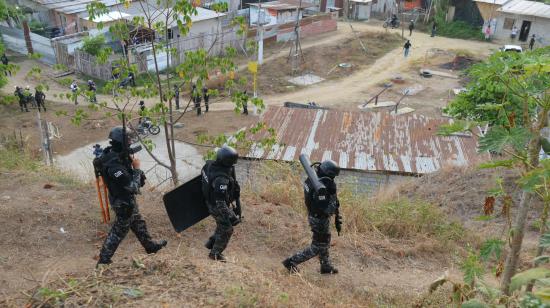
(318, 27)
(309, 26)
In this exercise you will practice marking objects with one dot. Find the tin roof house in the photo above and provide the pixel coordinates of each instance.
(373, 147)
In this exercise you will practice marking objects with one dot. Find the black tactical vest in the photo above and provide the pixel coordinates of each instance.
(111, 159)
(324, 205)
(209, 173)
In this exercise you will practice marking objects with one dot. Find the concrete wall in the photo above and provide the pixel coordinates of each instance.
(384, 8)
(14, 40)
(248, 171)
(539, 26)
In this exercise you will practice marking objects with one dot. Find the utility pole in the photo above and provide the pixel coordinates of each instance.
(296, 49)
(402, 6)
(260, 36)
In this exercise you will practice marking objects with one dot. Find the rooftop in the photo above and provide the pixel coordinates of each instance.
(523, 7)
(282, 5)
(72, 6)
(366, 141)
(496, 2)
(111, 16)
(135, 9)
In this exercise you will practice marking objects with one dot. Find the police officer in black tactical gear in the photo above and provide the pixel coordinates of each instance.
(40, 99)
(220, 189)
(320, 209)
(123, 178)
(22, 99)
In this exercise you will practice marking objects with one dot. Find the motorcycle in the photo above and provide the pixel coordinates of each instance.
(388, 23)
(147, 127)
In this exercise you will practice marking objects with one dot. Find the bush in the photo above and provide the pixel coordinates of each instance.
(394, 217)
(459, 29)
(93, 44)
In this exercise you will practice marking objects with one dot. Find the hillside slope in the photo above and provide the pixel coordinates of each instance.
(387, 258)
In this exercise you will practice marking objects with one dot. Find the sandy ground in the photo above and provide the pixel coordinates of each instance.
(358, 87)
(188, 161)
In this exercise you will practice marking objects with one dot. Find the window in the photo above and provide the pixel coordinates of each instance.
(508, 23)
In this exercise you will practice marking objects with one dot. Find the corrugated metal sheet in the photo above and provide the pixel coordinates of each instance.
(367, 141)
(495, 2)
(283, 5)
(530, 8)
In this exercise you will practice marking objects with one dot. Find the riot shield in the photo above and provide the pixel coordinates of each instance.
(185, 205)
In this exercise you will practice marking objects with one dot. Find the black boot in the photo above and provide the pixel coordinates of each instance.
(217, 257)
(156, 247)
(210, 243)
(290, 266)
(327, 268)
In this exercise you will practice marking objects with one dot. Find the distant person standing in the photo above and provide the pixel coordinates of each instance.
(532, 42)
(196, 99)
(514, 33)
(40, 98)
(92, 88)
(434, 28)
(74, 90)
(411, 27)
(5, 62)
(206, 97)
(406, 48)
(22, 100)
(488, 33)
(141, 111)
(177, 96)
(245, 103)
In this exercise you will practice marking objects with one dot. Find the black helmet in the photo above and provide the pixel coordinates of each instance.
(116, 135)
(329, 168)
(227, 156)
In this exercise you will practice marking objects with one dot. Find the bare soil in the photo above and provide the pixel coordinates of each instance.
(323, 61)
(98, 127)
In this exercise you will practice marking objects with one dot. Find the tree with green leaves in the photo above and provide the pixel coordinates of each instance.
(10, 14)
(194, 70)
(510, 92)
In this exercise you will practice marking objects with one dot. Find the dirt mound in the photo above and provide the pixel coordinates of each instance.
(461, 193)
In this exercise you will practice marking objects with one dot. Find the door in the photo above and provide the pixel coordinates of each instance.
(524, 33)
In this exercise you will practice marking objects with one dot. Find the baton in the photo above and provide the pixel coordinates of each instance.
(106, 196)
(100, 200)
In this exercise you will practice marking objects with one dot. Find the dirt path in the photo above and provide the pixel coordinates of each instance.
(57, 90)
(350, 91)
(345, 92)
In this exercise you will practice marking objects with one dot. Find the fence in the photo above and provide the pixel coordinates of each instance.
(87, 64)
(142, 55)
(15, 40)
(214, 43)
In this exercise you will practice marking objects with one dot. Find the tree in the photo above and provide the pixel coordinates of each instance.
(510, 92)
(8, 13)
(93, 44)
(195, 69)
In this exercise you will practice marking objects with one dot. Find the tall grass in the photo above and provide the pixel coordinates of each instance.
(15, 156)
(386, 214)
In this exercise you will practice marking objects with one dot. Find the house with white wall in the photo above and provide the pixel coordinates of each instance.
(530, 18)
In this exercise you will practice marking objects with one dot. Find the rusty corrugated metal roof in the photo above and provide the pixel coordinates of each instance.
(367, 141)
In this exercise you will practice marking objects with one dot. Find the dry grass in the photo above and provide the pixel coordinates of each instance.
(388, 254)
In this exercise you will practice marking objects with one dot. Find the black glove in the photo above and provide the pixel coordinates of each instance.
(338, 223)
(237, 209)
